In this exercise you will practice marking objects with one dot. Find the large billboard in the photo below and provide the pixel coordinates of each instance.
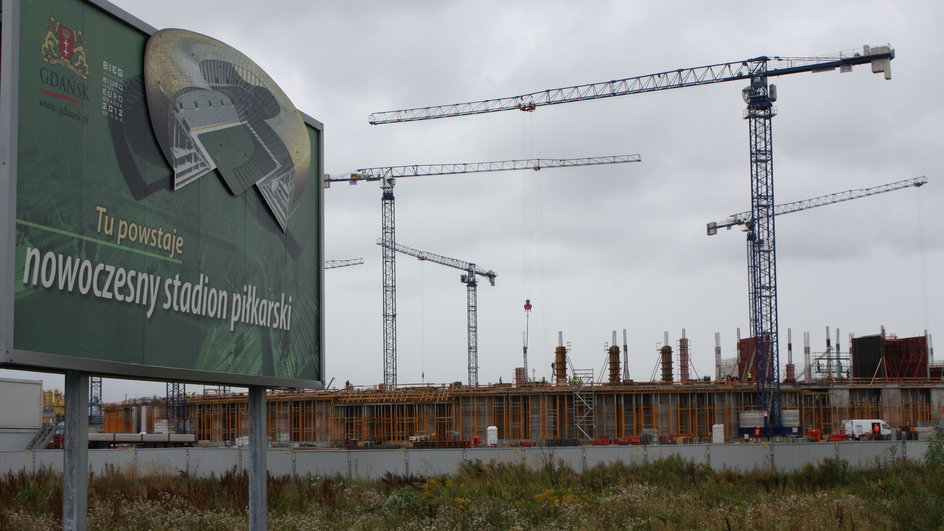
(162, 205)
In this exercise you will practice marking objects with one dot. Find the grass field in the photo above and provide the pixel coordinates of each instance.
(669, 494)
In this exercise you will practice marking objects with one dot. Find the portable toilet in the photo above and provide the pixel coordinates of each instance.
(717, 433)
(491, 436)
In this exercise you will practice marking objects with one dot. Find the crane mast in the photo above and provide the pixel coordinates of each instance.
(387, 176)
(762, 276)
(96, 412)
(468, 278)
(759, 97)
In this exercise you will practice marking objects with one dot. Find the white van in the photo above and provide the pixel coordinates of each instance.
(866, 429)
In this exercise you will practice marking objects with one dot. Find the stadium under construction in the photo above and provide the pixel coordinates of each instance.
(880, 377)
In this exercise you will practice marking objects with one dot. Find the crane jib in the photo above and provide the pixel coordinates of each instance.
(671, 79)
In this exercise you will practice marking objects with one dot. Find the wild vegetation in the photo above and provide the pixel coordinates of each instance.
(668, 494)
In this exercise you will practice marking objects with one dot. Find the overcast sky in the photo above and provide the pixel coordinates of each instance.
(604, 248)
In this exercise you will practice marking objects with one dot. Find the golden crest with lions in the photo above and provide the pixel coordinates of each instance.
(64, 46)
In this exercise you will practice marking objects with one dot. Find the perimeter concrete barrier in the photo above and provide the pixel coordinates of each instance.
(374, 464)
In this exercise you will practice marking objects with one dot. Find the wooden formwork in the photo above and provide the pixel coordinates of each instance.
(532, 412)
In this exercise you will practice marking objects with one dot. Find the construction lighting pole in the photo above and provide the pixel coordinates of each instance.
(386, 175)
(759, 97)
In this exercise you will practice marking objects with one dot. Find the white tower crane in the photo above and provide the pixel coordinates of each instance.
(470, 271)
(386, 175)
(333, 264)
(746, 219)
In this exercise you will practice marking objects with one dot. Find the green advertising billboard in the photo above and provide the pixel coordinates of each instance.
(163, 205)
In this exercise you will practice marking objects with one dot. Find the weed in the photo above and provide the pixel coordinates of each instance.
(672, 493)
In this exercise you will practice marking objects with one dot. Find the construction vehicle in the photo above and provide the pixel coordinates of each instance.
(858, 429)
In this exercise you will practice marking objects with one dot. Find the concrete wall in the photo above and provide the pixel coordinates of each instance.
(374, 464)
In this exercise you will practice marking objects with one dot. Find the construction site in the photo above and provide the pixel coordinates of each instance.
(879, 376)
(751, 394)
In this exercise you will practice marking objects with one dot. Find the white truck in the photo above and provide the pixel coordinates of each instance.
(866, 429)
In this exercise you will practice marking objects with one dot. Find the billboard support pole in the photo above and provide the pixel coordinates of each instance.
(258, 473)
(75, 467)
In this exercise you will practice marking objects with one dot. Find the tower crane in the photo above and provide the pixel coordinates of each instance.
(745, 219)
(332, 264)
(95, 414)
(387, 175)
(468, 278)
(759, 97)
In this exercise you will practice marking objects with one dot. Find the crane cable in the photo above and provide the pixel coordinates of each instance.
(922, 249)
(422, 322)
(528, 228)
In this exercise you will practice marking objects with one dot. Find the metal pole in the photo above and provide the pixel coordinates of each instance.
(807, 360)
(625, 357)
(75, 469)
(829, 354)
(257, 459)
(838, 361)
(717, 356)
(789, 346)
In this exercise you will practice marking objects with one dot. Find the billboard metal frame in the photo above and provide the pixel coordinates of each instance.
(42, 361)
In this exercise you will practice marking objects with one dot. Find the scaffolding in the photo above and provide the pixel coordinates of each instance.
(583, 402)
(534, 412)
